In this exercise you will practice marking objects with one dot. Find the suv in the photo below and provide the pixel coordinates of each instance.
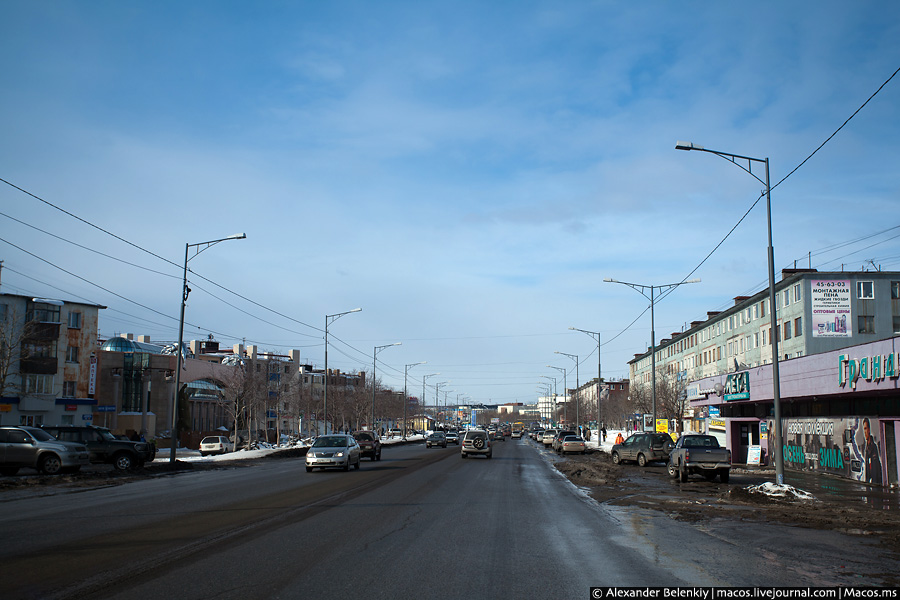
(37, 449)
(369, 444)
(104, 446)
(644, 448)
(476, 441)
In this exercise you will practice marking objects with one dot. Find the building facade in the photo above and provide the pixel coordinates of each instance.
(48, 353)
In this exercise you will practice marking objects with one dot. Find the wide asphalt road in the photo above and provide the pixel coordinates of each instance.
(418, 524)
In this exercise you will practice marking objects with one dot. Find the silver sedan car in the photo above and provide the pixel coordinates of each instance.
(337, 450)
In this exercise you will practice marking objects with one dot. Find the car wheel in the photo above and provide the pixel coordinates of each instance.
(347, 464)
(123, 462)
(462, 455)
(309, 469)
(50, 464)
(378, 456)
(673, 472)
(642, 460)
(358, 460)
(615, 458)
(682, 473)
(9, 471)
(724, 475)
(203, 454)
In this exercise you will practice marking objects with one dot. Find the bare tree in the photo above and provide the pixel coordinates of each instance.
(13, 332)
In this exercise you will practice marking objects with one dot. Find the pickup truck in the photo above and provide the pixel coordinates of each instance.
(700, 454)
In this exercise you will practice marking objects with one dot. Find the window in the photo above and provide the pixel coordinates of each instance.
(38, 384)
(896, 325)
(797, 293)
(75, 320)
(756, 340)
(72, 354)
(68, 389)
(798, 327)
(765, 337)
(787, 330)
(895, 291)
(865, 290)
(865, 324)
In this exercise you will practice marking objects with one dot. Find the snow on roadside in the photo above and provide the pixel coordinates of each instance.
(785, 491)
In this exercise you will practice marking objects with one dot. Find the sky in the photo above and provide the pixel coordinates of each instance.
(467, 173)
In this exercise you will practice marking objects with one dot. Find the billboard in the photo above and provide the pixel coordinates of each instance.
(831, 308)
(848, 447)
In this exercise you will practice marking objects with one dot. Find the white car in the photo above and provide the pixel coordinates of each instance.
(336, 450)
(214, 444)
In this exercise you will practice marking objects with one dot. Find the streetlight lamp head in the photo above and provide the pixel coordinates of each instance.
(679, 145)
(237, 236)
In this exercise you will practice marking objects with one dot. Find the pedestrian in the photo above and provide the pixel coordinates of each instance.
(603, 431)
(620, 439)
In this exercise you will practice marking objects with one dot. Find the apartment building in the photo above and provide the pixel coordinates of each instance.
(48, 350)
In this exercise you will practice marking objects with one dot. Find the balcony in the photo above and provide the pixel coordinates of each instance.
(39, 365)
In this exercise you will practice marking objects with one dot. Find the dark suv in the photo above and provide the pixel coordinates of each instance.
(369, 444)
(104, 446)
(644, 448)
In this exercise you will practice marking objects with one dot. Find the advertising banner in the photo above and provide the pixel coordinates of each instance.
(831, 308)
(846, 447)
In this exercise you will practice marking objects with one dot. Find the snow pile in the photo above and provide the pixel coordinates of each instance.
(783, 491)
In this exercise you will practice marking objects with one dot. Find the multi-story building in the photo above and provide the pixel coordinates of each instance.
(48, 354)
(837, 334)
(816, 312)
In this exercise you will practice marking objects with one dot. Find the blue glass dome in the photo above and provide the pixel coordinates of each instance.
(119, 344)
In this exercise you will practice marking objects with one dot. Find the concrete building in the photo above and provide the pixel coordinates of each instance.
(48, 351)
(837, 340)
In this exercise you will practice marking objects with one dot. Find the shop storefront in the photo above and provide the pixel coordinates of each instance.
(840, 412)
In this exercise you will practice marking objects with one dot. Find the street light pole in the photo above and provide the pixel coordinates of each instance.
(405, 394)
(424, 377)
(776, 379)
(185, 290)
(565, 391)
(595, 335)
(328, 320)
(374, 356)
(553, 414)
(640, 289)
(575, 358)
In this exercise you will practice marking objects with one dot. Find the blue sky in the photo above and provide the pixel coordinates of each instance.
(468, 173)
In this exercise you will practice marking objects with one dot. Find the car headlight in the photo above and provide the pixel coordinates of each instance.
(339, 454)
(311, 454)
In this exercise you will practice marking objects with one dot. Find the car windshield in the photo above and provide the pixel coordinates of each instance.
(572, 438)
(106, 434)
(364, 437)
(211, 440)
(331, 441)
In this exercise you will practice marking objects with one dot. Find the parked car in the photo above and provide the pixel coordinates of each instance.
(35, 448)
(452, 437)
(436, 438)
(369, 444)
(643, 448)
(537, 435)
(104, 446)
(548, 436)
(337, 450)
(572, 443)
(558, 438)
(215, 444)
(476, 442)
(516, 434)
(699, 454)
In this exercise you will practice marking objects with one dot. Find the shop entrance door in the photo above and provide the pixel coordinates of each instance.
(748, 435)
